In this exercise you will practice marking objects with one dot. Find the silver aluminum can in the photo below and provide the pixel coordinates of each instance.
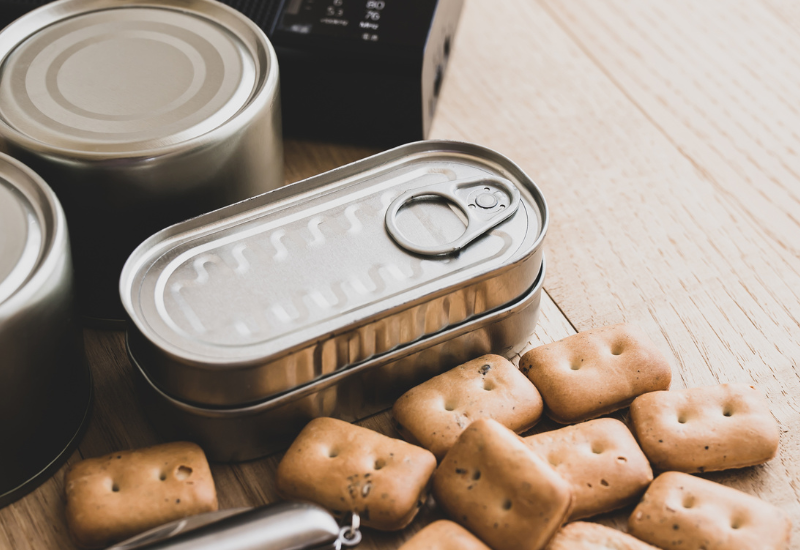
(300, 285)
(139, 114)
(257, 298)
(45, 388)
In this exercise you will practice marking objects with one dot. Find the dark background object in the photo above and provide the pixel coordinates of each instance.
(366, 71)
(11, 9)
(361, 71)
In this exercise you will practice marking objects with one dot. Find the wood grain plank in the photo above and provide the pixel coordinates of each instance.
(667, 154)
(720, 81)
(786, 10)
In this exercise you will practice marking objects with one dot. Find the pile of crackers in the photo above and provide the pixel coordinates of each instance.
(507, 492)
(500, 490)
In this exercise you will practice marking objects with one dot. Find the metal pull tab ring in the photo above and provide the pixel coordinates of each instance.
(483, 212)
(349, 535)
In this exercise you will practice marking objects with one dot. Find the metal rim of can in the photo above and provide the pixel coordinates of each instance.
(264, 93)
(52, 221)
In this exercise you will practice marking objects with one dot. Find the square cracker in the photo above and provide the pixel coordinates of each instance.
(499, 489)
(683, 511)
(595, 372)
(591, 536)
(435, 413)
(347, 468)
(705, 429)
(444, 535)
(602, 461)
(114, 497)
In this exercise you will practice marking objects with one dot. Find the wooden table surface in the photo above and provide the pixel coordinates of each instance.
(666, 138)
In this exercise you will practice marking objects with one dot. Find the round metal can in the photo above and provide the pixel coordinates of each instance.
(45, 387)
(139, 114)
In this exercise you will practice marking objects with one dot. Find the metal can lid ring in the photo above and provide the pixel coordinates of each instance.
(101, 78)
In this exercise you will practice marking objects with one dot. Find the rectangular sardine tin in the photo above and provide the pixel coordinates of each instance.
(274, 292)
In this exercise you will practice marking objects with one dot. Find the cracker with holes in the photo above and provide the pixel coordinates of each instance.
(595, 372)
(591, 536)
(498, 488)
(444, 535)
(347, 468)
(601, 460)
(683, 511)
(117, 496)
(705, 429)
(435, 413)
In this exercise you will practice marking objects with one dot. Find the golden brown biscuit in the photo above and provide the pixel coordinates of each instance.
(499, 489)
(595, 372)
(705, 429)
(683, 511)
(347, 468)
(591, 536)
(117, 496)
(601, 460)
(435, 413)
(444, 535)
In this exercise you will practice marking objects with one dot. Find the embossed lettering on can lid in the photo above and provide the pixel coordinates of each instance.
(124, 78)
(276, 291)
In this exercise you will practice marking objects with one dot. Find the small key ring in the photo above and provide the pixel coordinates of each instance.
(349, 535)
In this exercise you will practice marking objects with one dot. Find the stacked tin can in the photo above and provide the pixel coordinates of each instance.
(332, 296)
(138, 114)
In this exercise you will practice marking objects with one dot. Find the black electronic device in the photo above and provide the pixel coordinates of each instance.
(362, 71)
